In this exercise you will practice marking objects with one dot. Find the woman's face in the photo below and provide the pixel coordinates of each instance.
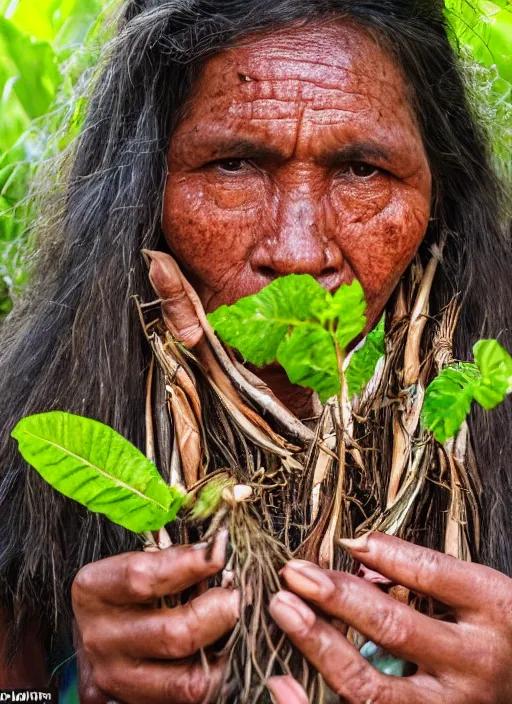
(298, 153)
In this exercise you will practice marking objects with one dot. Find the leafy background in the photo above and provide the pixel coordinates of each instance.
(46, 47)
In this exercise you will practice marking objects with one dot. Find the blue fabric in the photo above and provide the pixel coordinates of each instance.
(68, 684)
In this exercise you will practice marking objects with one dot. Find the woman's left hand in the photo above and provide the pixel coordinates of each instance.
(467, 661)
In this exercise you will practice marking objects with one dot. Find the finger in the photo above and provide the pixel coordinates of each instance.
(173, 634)
(396, 627)
(179, 301)
(459, 584)
(142, 577)
(346, 672)
(153, 683)
(286, 690)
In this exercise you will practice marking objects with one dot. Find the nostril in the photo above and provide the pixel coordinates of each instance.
(328, 273)
(268, 273)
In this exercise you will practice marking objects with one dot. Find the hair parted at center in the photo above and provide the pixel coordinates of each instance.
(74, 343)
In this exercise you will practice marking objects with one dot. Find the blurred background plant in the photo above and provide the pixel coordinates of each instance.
(47, 47)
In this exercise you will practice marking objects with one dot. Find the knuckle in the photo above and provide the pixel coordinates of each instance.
(138, 577)
(358, 680)
(388, 629)
(89, 644)
(82, 587)
(190, 686)
(178, 638)
(427, 569)
(501, 587)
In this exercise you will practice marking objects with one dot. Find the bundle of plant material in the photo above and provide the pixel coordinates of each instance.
(387, 450)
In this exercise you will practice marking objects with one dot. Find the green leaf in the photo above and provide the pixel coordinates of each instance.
(495, 365)
(308, 356)
(351, 306)
(364, 360)
(448, 400)
(209, 499)
(36, 66)
(256, 325)
(92, 464)
(297, 322)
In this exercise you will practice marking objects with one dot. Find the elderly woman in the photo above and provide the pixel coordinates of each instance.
(255, 139)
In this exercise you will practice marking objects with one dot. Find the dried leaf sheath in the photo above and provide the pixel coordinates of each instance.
(301, 501)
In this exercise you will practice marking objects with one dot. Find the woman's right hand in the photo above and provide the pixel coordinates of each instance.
(130, 651)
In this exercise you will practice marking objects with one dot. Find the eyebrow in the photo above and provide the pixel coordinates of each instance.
(358, 151)
(242, 148)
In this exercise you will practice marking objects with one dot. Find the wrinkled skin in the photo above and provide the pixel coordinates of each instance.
(286, 162)
(298, 153)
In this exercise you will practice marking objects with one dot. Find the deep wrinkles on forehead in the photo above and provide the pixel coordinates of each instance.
(266, 82)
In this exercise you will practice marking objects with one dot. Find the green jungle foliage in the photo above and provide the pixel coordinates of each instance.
(47, 45)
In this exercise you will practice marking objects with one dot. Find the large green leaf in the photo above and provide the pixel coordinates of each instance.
(448, 400)
(364, 360)
(92, 464)
(297, 322)
(308, 356)
(495, 365)
(256, 325)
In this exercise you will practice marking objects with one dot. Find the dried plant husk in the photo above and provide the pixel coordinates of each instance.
(364, 464)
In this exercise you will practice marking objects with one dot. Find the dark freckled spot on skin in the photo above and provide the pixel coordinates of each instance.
(196, 129)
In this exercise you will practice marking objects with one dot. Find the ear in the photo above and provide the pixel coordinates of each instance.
(179, 300)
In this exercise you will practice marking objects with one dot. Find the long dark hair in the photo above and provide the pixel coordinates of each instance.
(75, 344)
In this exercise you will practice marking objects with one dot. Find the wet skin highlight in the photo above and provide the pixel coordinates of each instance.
(298, 153)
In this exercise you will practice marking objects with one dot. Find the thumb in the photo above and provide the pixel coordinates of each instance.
(286, 690)
(179, 300)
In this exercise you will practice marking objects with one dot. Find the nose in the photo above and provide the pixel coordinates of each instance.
(298, 244)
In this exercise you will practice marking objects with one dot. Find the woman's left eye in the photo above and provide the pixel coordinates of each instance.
(359, 168)
(231, 165)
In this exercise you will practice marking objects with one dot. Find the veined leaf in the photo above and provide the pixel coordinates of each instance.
(363, 362)
(495, 365)
(297, 322)
(92, 464)
(256, 325)
(448, 400)
(308, 356)
(351, 305)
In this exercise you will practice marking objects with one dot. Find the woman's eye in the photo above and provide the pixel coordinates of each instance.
(360, 169)
(231, 165)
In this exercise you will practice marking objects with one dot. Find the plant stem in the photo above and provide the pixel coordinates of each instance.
(327, 548)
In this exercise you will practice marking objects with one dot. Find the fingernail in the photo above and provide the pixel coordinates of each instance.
(286, 689)
(355, 544)
(290, 613)
(199, 546)
(220, 544)
(164, 539)
(310, 581)
(148, 256)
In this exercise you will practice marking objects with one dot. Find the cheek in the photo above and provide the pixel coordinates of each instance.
(379, 235)
(212, 229)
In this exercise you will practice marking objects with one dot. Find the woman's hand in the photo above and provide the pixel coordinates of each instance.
(467, 661)
(138, 654)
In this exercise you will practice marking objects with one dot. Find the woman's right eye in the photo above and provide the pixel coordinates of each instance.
(230, 165)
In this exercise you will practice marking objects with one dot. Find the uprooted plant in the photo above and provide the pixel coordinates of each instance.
(229, 454)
